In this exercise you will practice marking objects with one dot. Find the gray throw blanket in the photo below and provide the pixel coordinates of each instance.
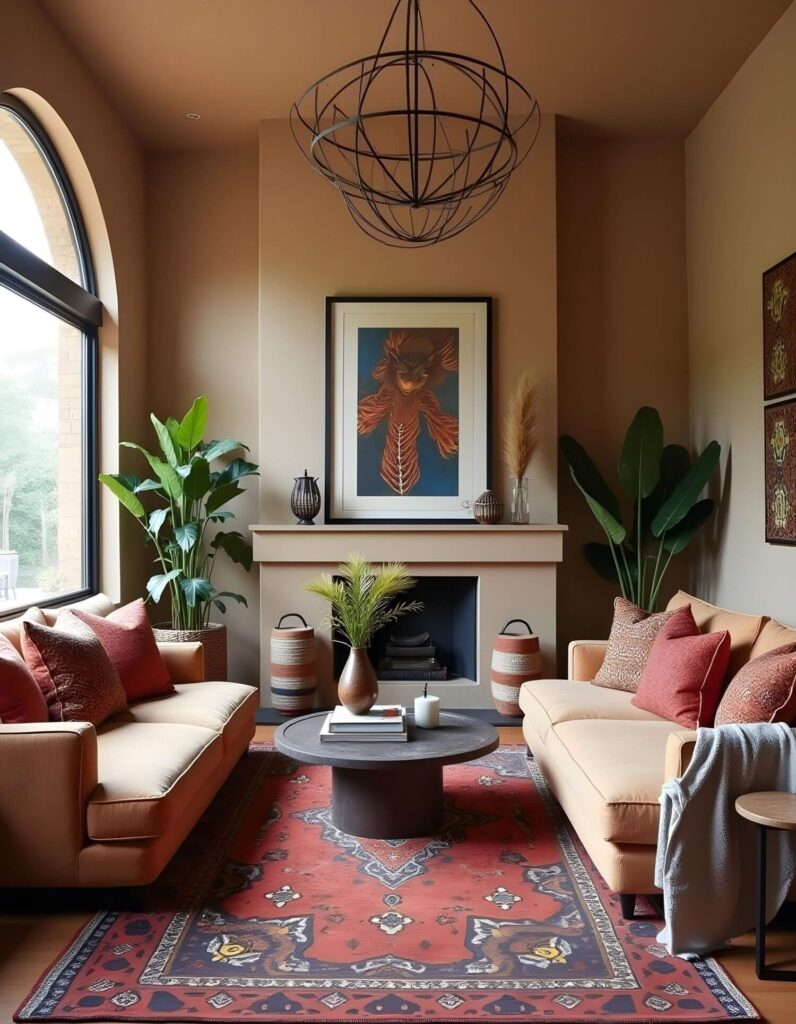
(706, 859)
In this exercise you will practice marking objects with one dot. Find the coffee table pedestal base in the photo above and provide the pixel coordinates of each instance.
(387, 803)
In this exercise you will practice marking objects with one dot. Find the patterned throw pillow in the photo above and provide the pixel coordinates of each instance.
(763, 691)
(72, 670)
(685, 671)
(130, 643)
(632, 635)
(20, 698)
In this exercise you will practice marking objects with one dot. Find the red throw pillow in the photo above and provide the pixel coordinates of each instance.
(128, 638)
(763, 691)
(20, 698)
(685, 671)
(72, 670)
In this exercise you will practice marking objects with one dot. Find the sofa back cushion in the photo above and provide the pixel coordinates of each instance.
(11, 629)
(130, 643)
(684, 674)
(97, 604)
(743, 629)
(72, 670)
(21, 700)
(772, 636)
(633, 633)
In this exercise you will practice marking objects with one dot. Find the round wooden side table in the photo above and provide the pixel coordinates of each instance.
(769, 811)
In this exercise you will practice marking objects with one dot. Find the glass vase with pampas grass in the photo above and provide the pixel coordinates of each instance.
(519, 444)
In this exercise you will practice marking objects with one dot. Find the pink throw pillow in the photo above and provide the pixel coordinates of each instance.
(130, 643)
(72, 670)
(21, 700)
(685, 671)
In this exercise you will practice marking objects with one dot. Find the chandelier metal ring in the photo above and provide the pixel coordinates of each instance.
(420, 142)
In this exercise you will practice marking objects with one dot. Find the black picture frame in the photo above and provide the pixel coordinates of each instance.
(332, 301)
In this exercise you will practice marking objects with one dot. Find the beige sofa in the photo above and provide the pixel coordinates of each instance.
(109, 806)
(606, 760)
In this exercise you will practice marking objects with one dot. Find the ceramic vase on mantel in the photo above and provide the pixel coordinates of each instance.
(358, 688)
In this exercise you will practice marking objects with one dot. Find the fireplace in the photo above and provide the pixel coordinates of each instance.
(471, 578)
(449, 615)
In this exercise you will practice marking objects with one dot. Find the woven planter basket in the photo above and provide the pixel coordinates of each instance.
(213, 639)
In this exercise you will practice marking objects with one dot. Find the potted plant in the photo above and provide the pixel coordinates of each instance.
(361, 597)
(664, 487)
(191, 498)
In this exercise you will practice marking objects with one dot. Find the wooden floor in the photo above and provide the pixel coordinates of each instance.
(29, 943)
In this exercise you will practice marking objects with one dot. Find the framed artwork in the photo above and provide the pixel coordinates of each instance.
(780, 462)
(408, 408)
(779, 329)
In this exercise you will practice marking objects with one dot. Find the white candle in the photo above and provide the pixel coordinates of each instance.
(427, 712)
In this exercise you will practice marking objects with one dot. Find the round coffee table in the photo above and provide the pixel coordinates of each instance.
(388, 790)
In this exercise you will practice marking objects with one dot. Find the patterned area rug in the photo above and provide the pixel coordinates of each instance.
(269, 913)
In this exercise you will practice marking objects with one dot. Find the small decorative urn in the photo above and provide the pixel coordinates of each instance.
(487, 509)
(305, 500)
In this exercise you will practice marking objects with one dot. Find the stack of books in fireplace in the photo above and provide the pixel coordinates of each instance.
(408, 658)
(385, 723)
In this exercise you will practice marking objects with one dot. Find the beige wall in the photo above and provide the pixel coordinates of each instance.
(105, 165)
(203, 282)
(622, 329)
(309, 248)
(741, 169)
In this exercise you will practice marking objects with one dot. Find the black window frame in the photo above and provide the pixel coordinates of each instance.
(33, 279)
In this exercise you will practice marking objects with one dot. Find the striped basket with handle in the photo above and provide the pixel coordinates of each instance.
(293, 671)
(515, 660)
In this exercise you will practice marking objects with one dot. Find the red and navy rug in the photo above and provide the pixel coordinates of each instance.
(270, 913)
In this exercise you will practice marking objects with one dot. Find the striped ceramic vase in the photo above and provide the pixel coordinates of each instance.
(515, 660)
(293, 673)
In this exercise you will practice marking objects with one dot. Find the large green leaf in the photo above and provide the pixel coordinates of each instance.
(128, 480)
(169, 479)
(124, 494)
(679, 537)
(221, 516)
(213, 449)
(187, 535)
(148, 485)
(587, 476)
(640, 461)
(165, 441)
(196, 590)
(193, 424)
(223, 494)
(173, 428)
(684, 496)
(610, 524)
(156, 585)
(601, 560)
(238, 468)
(675, 461)
(235, 597)
(236, 546)
(197, 482)
(156, 520)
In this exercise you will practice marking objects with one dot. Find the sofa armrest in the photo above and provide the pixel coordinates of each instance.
(585, 658)
(679, 751)
(47, 772)
(185, 662)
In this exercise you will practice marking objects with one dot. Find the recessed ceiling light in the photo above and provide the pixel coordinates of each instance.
(193, 117)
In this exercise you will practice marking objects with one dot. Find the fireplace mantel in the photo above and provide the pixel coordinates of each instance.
(515, 567)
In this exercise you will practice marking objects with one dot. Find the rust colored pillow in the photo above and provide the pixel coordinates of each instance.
(763, 691)
(632, 635)
(685, 671)
(20, 698)
(72, 670)
(130, 643)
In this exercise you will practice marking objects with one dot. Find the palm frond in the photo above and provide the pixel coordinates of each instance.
(520, 436)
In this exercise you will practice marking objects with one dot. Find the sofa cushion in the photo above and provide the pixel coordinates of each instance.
(617, 770)
(630, 641)
(763, 691)
(97, 604)
(547, 702)
(146, 774)
(11, 629)
(21, 700)
(771, 636)
(227, 707)
(743, 629)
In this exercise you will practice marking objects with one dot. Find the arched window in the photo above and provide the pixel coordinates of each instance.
(49, 315)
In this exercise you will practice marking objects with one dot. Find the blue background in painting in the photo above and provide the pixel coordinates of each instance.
(438, 477)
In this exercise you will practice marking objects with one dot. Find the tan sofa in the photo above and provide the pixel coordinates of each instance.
(606, 760)
(81, 806)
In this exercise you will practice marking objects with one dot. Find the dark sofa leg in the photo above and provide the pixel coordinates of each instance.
(528, 751)
(627, 901)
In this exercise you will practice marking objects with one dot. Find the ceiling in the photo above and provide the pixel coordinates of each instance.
(629, 68)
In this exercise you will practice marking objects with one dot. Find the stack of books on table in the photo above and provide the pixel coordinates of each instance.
(411, 658)
(384, 723)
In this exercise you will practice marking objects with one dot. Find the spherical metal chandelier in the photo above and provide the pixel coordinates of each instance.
(420, 142)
